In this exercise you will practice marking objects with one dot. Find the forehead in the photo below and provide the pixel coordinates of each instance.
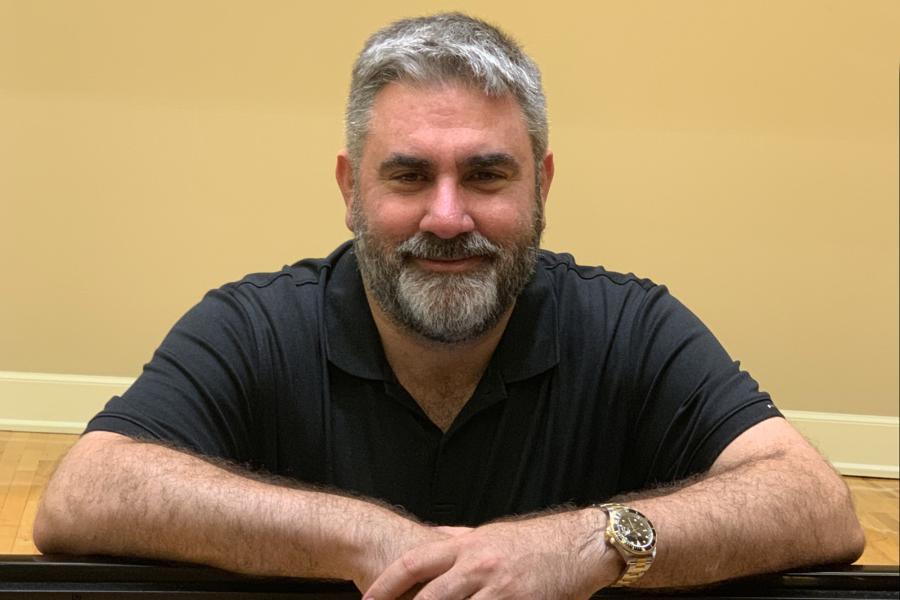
(445, 119)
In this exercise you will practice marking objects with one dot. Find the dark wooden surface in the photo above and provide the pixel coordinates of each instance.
(85, 578)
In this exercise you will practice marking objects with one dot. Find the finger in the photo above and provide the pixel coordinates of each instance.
(452, 585)
(415, 566)
(411, 593)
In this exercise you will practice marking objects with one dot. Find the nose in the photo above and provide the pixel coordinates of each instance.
(446, 215)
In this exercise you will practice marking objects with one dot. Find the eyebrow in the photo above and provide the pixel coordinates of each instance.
(496, 159)
(477, 161)
(404, 161)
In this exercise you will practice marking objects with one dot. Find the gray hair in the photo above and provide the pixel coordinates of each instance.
(440, 48)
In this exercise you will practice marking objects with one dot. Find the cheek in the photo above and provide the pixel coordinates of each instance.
(395, 220)
(505, 221)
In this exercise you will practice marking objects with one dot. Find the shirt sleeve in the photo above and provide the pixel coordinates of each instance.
(195, 391)
(689, 398)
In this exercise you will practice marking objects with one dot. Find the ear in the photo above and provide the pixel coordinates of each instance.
(343, 173)
(546, 176)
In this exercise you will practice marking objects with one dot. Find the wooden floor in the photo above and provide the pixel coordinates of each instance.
(28, 459)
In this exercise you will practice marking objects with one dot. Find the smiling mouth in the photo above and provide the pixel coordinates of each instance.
(450, 265)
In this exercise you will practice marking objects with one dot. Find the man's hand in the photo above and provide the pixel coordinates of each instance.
(751, 513)
(554, 556)
(404, 537)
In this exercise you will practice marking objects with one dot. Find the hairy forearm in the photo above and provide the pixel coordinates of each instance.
(140, 499)
(772, 513)
(770, 502)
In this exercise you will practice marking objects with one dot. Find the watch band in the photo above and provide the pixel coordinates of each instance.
(636, 564)
(634, 570)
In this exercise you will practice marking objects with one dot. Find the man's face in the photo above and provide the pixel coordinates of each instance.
(446, 209)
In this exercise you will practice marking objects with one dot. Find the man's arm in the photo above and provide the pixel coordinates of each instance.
(114, 495)
(769, 502)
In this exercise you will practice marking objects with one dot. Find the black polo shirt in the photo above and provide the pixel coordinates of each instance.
(602, 383)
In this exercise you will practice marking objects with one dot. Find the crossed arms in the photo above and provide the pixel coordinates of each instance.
(769, 502)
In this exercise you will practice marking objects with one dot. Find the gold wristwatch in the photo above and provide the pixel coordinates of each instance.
(632, 534)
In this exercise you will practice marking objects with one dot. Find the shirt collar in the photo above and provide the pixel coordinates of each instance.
(353, 341)
(530, 344)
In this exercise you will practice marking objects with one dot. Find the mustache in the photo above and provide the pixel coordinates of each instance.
(430, 247)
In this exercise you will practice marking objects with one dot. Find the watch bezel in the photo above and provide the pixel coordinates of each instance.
(633, 547)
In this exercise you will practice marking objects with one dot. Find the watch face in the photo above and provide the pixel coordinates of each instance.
(633, 530)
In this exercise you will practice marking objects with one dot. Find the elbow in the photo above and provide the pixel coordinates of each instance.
(847, 534)
(850, 546)
(52, 533)
(64, 523)
(857, 550)
(42, 534)
(855, 543)
(72, 508)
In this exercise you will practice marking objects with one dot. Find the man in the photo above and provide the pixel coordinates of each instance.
(441, 374)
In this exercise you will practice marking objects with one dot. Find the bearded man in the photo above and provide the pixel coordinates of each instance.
(440, 408)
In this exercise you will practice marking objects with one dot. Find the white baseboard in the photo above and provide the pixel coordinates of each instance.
(54, 403)
(856, 444)
(864, 445)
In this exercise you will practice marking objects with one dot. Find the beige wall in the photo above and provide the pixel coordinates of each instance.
(744, 153)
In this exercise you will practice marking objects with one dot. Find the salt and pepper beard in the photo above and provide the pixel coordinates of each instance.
(445, 307)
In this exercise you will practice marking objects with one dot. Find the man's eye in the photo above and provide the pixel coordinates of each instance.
(486, 176)
(408, 177)
(488, 181)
